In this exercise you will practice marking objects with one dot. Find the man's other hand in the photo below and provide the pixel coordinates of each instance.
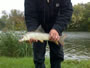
(54, 35)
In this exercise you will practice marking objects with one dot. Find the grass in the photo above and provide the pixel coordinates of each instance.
(27, 62)
(9, 46)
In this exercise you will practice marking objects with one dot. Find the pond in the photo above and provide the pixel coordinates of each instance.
(77, 45)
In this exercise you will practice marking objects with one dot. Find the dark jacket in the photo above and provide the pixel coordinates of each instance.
(56, 14)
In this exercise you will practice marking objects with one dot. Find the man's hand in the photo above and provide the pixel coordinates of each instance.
(54, 35)
(32, 40)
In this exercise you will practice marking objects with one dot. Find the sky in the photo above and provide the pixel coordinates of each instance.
(7, 5)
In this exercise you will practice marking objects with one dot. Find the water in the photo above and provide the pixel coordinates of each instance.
(77, 45)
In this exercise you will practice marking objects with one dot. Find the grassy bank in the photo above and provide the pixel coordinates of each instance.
(9, 45)
(27, 62)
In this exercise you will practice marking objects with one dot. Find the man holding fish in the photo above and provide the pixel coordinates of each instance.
(53, 16)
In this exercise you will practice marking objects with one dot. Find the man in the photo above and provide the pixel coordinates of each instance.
(53, 16)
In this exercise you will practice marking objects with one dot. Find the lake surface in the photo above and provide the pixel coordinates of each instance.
(77, 45)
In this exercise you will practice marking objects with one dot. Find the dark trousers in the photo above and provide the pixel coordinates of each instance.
(56, 54)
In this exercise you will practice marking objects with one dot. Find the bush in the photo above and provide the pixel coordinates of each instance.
(9, 46)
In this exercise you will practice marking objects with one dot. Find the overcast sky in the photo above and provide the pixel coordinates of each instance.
(19, 4)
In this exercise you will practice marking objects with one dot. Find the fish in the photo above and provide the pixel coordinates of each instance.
(41, 37)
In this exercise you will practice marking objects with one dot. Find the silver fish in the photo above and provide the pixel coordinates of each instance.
(41, 37)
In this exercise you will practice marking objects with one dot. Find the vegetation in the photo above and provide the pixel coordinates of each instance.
(9, 46)
(27, 62)
(21, 52)
(80, 19)
(12, 21)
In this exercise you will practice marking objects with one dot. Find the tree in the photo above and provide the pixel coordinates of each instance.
(14, 20)
(80, 18)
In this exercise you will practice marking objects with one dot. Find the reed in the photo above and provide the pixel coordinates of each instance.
(9, 45)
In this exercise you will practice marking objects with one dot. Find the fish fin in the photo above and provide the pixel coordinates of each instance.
(41, 41)
(57, 42)
(64, 36)
(62, 39)
(62, 42)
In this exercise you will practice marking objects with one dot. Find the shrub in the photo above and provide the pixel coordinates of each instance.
(9, 46)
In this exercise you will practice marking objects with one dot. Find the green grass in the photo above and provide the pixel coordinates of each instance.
(9, 45)
(27, 62)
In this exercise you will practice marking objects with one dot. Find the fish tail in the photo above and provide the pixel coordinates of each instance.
(61, 41)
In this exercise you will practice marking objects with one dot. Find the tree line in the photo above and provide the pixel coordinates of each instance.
(80, 19)
(12, 21)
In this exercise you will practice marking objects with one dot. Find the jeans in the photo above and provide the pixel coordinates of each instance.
(56, 54)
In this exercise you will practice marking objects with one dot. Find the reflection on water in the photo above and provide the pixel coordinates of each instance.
(77, 45)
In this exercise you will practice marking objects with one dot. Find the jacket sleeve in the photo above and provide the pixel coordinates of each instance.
(64, 15)
(31, 15)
